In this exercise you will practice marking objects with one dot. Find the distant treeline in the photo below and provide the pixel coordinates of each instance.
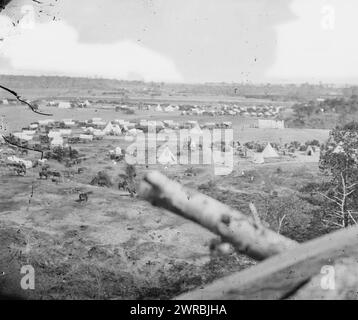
(293, 92)
(324, 113)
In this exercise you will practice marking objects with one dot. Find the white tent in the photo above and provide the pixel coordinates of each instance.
(117, 130)
(258, 158)
(53, 134)
(29, 132)
(64, 105)
(269, 152)
(169, 109)
(86, 137)
(108, 129)
(132, 132)
(5, 101)
(45, 122)
(309, 151)
(27, 163)
(69, 123)
(167, 157)
(65, 132)
(196, 130)
(98, 133)
(57, 141)
(22, 136)
(158, 108)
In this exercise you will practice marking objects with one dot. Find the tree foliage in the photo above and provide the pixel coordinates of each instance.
(339, 160)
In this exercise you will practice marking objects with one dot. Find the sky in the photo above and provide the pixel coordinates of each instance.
(255, 41)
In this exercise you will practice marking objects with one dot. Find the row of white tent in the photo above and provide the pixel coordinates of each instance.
(168, 158)
(270, 152)
(169, 108)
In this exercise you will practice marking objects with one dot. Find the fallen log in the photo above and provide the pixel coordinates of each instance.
(289, 274)
(246, 235)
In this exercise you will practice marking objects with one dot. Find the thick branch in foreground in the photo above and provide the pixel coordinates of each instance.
(286, 275)
(241, 231)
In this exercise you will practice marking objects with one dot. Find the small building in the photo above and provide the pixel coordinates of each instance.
(271, 124)
(64, 105)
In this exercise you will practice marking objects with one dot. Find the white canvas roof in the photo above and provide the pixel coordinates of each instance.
(29, 132)
(108, 129)
(169, 109)
(23, 136)
(57, 141)
(167, 157)
(117, 130)
(86, 137)
(196, 130)
(64, 105)
(269, 152)
(309, 151)
(27, 163)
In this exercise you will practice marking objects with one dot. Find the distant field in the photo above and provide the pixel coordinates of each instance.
(20, 116)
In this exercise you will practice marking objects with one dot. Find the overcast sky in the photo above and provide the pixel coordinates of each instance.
(183, 40)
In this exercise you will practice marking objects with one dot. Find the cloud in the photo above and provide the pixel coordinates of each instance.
(54, 48)
(317, 46)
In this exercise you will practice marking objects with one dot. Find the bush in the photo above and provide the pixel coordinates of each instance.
(102, 179)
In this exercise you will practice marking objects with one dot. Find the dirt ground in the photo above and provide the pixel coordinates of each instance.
(118, 247)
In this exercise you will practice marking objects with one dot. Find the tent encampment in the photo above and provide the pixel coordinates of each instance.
(167, 157)
(269, 152)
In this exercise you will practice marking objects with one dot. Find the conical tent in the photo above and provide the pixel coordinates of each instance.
(117, 130)
(269, 152)
(196, 130)
(108, 129)
(258, 158)
(167, 157)
(309, 151)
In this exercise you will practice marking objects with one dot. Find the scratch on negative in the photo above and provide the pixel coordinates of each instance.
(23, 101)
(33, 109)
